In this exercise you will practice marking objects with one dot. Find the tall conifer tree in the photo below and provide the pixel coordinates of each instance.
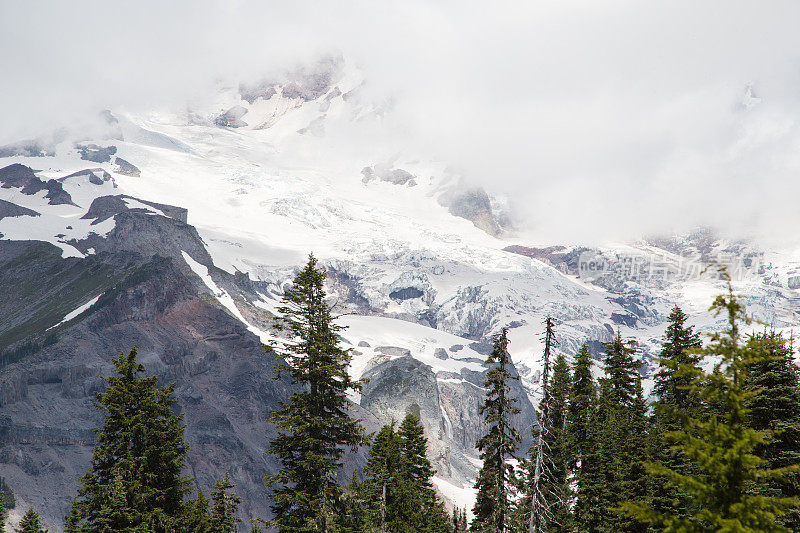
(136, 476)
(30, 523)
(675, 399)
(314, 425)
(722, 447)
(224, 505)
(493, 505)
(774, 382)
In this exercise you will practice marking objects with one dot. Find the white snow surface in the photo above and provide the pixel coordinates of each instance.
(72, 314)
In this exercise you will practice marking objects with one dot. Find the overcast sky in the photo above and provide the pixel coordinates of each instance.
(604, 119)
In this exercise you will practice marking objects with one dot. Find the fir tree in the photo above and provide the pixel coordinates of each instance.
(721, 447)
(582, 401)
(30, 523)
(353, 517)
(621, 438)
(418, 474)
(583, 430)
(554, 496)
(136, 477)
(671, 386)
(196, 516)
(385, 487)
(224, 506)
(493, 504)
(774, 382)
(3, 510)
(675, 399)
(314, 425)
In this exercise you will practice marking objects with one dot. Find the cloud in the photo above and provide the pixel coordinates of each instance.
(602, 120)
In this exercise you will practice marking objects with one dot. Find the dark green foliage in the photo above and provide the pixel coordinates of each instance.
(555, 493)
(493, 505)
(556, 478)
(721, 447)
(3, 515)
(354, 515)
(459, 521)
(30, 523)
(615, 445)
(671, 386)
(675, 399)
(196, 517)
(397, 490)
(136, 478)
(314, 425)
(584, 432)
(224, 505)
(582, 401)
(774, 406)
(418, 473)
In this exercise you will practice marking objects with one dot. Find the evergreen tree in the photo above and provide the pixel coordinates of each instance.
(721, 447)
(671, 386)
(353, 517)
(675, 399)
(493, 505)
(621, 438)
(6, 495)
(556, 480)
(554, 484)
(3, 512)
(30, 523)
(314, 425)
(196, 515)
(584, 431)
(385, 488)
(136, 477)
(774, 382)
(582, 401)
(418, 474)
(224, 505)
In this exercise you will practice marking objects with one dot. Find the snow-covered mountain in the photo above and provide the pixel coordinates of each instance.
(220, 204)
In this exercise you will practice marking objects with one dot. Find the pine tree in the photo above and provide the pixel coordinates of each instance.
(583, 430)
(582, 400)
(385, 488)
(670, 385)
(196, 518)
(30, 523)
(3, 513)
(224, 506)
(774, 382)
(721, 447)
(554, 495)
(314, 425)
(418, 473)
(136, 476)
(493, 504)
(675, 399)
(556, 480)
(621, 438)
(353, 517)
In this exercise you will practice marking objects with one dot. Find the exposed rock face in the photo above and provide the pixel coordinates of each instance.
(95, 153)
(20, 176)
(448, 407)
(232, 118)
(126, 168)
(474, 205)
(7, 209)
(225, 381)
(395, 176)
